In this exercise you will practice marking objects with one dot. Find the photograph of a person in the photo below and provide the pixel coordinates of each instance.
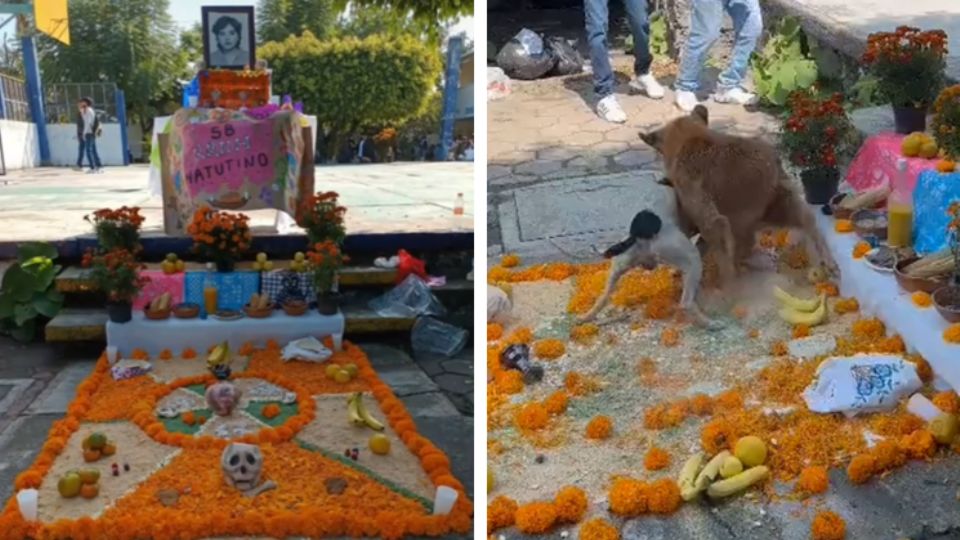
(720, 304)
(228, 37)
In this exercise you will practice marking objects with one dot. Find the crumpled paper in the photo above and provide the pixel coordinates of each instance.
(862, 383)
(308, 349)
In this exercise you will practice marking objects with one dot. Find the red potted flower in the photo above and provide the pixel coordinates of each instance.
(816, 135)
(909, 67)
(116, 273)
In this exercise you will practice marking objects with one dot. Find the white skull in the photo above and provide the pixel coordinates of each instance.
(242, 465)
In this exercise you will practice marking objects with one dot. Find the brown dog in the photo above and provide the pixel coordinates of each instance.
(730, 188)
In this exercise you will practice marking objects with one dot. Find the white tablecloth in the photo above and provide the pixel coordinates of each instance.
(199, 334)
(881, 297)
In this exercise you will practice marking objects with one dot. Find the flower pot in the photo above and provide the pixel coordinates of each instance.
(225, 265)
(909, 119)
(947, 301)
(120, 312)
(328, 303)
(820, 185)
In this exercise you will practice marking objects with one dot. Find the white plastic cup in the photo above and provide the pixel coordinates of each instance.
(113, 355)
(444, 500)
(27, 502)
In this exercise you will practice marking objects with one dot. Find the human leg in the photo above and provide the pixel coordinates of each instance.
(82, 149)
(706, 16)
(91, 160)
(642, 58)
(92, 143)
(747, 26)
(597, 17)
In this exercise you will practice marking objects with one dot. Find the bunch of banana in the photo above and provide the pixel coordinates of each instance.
(810, 311)
(693, 480)
(359, 415)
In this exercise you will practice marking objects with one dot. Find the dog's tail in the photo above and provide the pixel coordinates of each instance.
(619, 248)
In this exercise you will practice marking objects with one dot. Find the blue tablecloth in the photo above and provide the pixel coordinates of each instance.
(931, 198)
(234, 289)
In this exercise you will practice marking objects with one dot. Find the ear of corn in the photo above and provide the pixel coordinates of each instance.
(937, 264)
(867, 199)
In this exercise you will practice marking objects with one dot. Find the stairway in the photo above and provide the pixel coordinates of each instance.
(83, 318)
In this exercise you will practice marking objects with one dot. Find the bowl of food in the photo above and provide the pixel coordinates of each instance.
(186, 310)
(881, 259)
(156, 314)
(870, 223)
(844, 205)
(947, 301)
(926, 274)
(159, 308)
(295, 307)
(259, 307)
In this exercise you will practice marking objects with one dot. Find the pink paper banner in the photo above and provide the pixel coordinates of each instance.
(876, 165)
(230, 153)
(160, 283)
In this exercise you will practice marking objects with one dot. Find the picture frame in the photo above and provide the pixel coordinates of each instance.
(229, 37)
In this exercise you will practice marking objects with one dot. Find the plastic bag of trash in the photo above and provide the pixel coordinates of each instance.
(436, 337)
(498, 304)
(411, 298)
(498, 84)
(524, 57)
(569, 60)
(862, 383)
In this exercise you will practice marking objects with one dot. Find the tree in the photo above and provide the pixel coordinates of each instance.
(131, 43)
(433, 14)
(366, 22)
(282, 18)
(351, 83)
(191, 43)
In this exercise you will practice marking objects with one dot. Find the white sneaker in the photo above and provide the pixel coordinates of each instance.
(648, 84)
(609, 109)
(686, 100)
(736, 95)
(91, 171)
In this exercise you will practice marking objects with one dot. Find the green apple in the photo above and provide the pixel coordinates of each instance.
(69, 485)
(299, 256)
(267, 266)
(261, 257)
(172, 257)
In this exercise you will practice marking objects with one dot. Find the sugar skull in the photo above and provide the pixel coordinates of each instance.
(222, 397)
(242, 465)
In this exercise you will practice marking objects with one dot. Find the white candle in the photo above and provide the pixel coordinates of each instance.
(112, 354)
(444, 500)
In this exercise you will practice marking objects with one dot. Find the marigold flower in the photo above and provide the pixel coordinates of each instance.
(717, 435)
(828, 289)
(531, 417)
(628, 497)
(861, 468)
(509, 381)
(846, 305)
(510, 261)
(801, 331)
(656, 459)
(670, 337)
(188, 418)
(598, 529)
(828, 526)
(556, 403)
(188, 353)
(947, 402)
(270, 411)
(599, 427)
(861, 249)
(779, 348)
(166, 354)
(520, 335)
(952, 334)
(549, 349)
(663, 496)
(919, 445)
(583, 333)
(843, 226)
(578, 385)
(570, 504)
(494, 331)
(536, 517)
(869, 329)
(813, 480)
(921, 299)
(500, 513)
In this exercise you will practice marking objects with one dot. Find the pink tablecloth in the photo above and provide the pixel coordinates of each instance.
(876, 164)
(159, 284)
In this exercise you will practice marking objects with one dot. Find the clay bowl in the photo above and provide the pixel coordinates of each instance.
(947, 301)
(258, 313)
(157, 315)
(295, 308)
(869, 223)
(186, 311)
(838, 212)
(914, 284)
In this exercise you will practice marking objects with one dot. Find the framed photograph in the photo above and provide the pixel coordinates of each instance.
(228, 37)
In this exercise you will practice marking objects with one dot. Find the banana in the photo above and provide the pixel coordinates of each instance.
(812, 318)
(688, 474)
(738, 483)
(353, 411)
(365, 416)
(710, 471)
(798, 304)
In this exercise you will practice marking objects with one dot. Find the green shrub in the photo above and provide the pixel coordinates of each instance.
(783, 66)
(350, 84)
(27, 292)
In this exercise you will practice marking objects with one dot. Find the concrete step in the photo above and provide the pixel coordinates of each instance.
(89, 324)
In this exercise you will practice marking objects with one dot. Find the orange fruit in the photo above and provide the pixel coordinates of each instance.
(91, 455)
(342, 376)
(89, 491)
(109, 449)
(380, 444)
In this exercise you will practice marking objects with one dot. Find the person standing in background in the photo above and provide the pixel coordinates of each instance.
(82, 150)
(706, 17)
(91, 129)
(597, 16)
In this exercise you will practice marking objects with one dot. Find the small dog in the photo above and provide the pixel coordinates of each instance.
(649, 244)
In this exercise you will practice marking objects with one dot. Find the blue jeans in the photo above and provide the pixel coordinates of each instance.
(82, 152)
(92, 156)
(706, 17)
(597, 15)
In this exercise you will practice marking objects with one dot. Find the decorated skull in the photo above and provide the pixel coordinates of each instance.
(223, 397)
(242, 465)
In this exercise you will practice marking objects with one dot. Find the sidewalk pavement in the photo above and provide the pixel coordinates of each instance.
(49, 203)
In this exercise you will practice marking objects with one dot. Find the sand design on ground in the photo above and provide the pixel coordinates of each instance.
(134, 448)
(332, 431)
(166, 371)
(254, 390)
(179, 401)
(238, 424)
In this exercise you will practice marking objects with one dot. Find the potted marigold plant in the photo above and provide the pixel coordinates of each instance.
(946, 127)
(815, 136)
(909, 67)
(116, 273)
(220, 237)
(322, 217)
(326, 259)
(117, 228)
(947, 299)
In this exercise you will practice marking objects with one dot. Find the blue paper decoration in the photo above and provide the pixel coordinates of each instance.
(234, 289)
(931, 198)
